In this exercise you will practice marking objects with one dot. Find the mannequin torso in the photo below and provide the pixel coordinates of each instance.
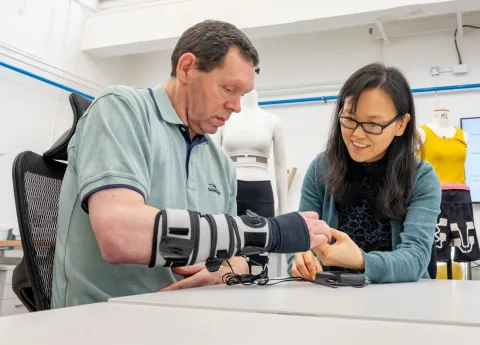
(440, 126)
(445, 147)
(248, 137)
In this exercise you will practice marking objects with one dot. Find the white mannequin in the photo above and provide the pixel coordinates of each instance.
(251, 134)
(440, 126)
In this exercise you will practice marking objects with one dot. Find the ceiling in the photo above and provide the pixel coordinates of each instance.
(420, 26)
(106, 35)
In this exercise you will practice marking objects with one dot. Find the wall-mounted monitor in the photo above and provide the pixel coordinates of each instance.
(471, 126)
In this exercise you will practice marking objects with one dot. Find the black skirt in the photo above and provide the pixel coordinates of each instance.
(455, 226)
(256, 196)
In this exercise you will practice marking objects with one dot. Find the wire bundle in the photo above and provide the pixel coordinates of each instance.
(262, 279)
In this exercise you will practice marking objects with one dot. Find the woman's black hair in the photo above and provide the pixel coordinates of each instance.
(396, 180)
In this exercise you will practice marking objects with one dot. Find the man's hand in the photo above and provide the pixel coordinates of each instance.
(343, 253)
(305, 265)
(320, 232)
(198, 275)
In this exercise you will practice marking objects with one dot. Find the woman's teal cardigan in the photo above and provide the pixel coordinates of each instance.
(412, 238)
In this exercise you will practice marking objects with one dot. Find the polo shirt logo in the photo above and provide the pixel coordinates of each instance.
(213, 188)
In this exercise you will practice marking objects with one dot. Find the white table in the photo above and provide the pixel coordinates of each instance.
(428, 301)
(108, 323)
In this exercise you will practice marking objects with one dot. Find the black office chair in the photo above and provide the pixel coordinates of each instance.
(37, 180)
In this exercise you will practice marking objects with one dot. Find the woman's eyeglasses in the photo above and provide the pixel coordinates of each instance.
(368, 127)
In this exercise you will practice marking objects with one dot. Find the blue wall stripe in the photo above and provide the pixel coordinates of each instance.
(272, 102)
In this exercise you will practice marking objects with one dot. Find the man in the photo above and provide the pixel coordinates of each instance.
(139, 151)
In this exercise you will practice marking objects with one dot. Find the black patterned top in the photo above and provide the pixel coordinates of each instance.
(359, 221)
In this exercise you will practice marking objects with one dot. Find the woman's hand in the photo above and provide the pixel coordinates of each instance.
(343, 253)
(305, 265)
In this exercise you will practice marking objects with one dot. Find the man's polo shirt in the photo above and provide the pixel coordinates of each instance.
(131, 138)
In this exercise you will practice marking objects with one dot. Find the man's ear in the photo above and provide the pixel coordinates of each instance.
(403, 125)
(186, 64)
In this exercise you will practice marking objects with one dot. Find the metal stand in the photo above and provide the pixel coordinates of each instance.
(468, 271)
(449, 267)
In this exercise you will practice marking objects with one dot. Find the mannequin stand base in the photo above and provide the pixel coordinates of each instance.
(449, 268)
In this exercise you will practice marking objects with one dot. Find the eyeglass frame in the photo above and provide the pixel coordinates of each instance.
(368, 123)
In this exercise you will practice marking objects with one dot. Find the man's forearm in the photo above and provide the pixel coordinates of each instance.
(128, 231)
(186, 237)
(135, 247)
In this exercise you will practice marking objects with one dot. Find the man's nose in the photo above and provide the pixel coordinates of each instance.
(235, 105)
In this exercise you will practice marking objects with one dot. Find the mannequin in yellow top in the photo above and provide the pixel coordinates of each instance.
(445, 147)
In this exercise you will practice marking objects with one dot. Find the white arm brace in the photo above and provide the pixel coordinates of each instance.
(183, 238)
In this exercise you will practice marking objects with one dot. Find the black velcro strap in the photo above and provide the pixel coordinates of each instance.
(213, 265)
(255, 239)
(178, 231)
(195, 236)
(213, 235)
(222, 254)
(231, 243)
(164, 224)
(175, 250)
(168, 263)
(233, 224)
(153, 258)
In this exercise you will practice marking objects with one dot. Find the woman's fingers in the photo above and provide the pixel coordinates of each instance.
(301, 267)
(305, 265)
(295, 272)
(309, 260)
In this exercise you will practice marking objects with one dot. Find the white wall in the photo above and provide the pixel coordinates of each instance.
(336, 56)
(158, 26)
(43, 38)
(325, 60)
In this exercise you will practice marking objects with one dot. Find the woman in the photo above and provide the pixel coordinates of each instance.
(369, 186)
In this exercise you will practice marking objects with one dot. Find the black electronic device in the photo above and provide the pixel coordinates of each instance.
(342, 278)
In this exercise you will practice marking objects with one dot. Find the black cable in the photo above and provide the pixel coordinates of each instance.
(262, 279)
(455, 40)
(231, 278)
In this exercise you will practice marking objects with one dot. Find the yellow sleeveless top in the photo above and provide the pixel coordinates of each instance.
(447, 155)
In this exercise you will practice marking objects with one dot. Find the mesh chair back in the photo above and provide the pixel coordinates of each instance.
(37, 182)
(58, 150)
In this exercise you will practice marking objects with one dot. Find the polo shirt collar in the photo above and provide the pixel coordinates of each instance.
(167, 112)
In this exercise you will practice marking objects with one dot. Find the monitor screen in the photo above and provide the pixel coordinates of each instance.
(471, 126)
